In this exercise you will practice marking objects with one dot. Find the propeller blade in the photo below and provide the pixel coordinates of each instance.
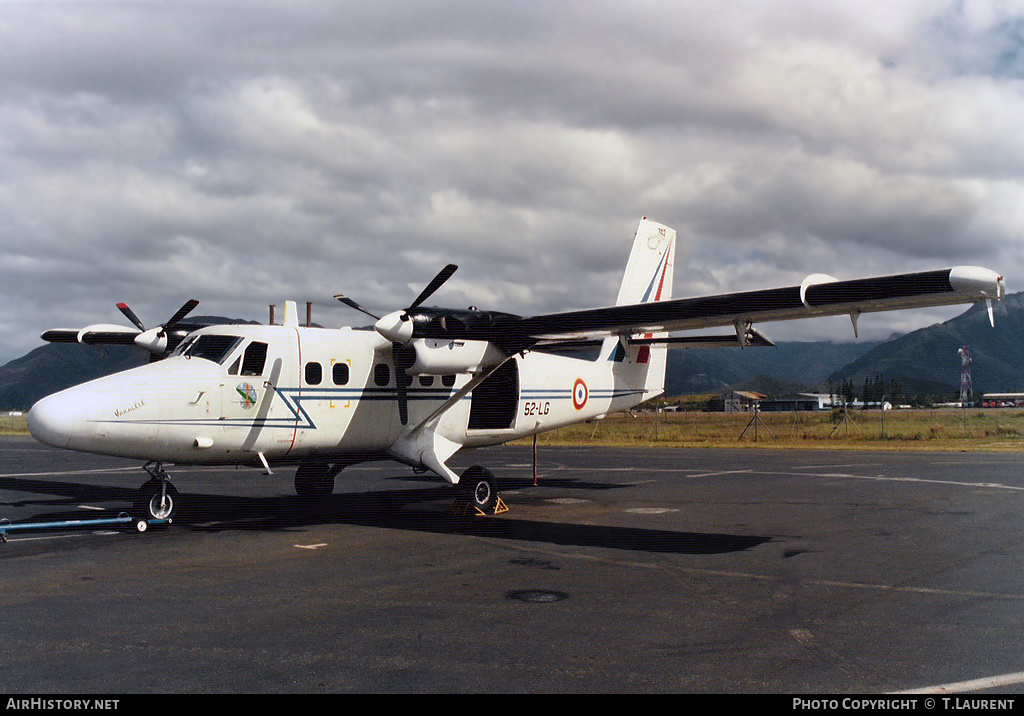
(352, 304)
(155, 339)
(182, 312)
(402, 380)
(130, 315)
(435, 284)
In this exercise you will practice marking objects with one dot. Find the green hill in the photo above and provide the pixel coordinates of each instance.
(926, 361)
(57, 366)
(788, 367)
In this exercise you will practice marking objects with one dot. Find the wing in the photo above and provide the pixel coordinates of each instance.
(818, 295)
(98, 334)
(105, 334)
(158, 341)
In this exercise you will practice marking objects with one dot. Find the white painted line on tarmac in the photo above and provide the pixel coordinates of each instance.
(909, 590)
(75, 535)
(723, 472)
(310, 546)
(70, 472)
(991, 682)
(634, 468)
(882, 478)
(803, 636)
(849, 464)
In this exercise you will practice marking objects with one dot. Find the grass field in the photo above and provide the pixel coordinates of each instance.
(13, 425)
(938, 429)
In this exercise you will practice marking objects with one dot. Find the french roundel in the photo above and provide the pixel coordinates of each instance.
(579, 394)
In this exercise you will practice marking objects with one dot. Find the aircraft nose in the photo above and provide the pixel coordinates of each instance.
(51, 421)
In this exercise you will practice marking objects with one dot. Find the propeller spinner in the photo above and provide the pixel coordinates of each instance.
(154, 340)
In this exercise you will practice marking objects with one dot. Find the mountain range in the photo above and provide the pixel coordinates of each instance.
(924, 362)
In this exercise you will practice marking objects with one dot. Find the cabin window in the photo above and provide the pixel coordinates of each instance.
(340, 373)
(314, 373)
(447, 380)
(381, 374)
(255, 358)
(426, 380)
(211, 347)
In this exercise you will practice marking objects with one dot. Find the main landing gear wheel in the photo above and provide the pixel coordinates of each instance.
(314, 479)
(158, 500)
(479, 488)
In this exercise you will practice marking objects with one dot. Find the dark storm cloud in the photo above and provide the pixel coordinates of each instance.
(251, 152)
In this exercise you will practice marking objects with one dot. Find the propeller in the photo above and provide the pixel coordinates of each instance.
(154, 340)
(397, 327)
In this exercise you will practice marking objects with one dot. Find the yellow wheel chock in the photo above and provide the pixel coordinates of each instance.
(461, 506)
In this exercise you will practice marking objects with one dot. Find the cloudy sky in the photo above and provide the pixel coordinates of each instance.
(244, 153)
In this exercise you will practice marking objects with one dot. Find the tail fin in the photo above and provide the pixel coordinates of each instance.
(648, 274)
(648, 278)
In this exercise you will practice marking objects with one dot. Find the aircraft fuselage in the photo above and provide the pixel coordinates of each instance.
(230, 394)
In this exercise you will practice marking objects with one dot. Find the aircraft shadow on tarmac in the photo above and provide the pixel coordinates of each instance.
(416, 509)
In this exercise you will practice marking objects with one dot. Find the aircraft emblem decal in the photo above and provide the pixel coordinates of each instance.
(248, 394)
(579, 394)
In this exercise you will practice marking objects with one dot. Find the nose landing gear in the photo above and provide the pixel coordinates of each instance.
(158, 499)
(316, 479)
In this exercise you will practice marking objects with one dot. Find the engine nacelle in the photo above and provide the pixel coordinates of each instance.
(440, 356)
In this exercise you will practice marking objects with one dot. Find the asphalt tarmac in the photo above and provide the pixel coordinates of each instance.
(624, 570)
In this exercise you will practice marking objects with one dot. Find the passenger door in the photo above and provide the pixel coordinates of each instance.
(253, 411)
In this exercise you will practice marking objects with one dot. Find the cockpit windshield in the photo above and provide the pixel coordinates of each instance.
(209, 346)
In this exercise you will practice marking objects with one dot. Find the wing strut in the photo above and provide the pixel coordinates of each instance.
(423, 446)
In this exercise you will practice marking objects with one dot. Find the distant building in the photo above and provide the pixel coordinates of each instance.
(1002, 400)
(797, 402)
(743, 401)
(737, 401)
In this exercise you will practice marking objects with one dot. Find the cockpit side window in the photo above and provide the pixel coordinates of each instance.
(184, 345)
(255, 358)
(211, 347)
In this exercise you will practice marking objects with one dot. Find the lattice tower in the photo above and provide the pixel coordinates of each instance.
(965, 374)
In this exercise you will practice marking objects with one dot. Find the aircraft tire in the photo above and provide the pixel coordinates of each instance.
(479, 487)
(314, 480)
(149, 501)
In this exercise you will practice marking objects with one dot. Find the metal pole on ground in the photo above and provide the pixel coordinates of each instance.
(535, 459)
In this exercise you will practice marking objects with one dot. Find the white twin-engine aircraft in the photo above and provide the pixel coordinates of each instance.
(423, 383)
